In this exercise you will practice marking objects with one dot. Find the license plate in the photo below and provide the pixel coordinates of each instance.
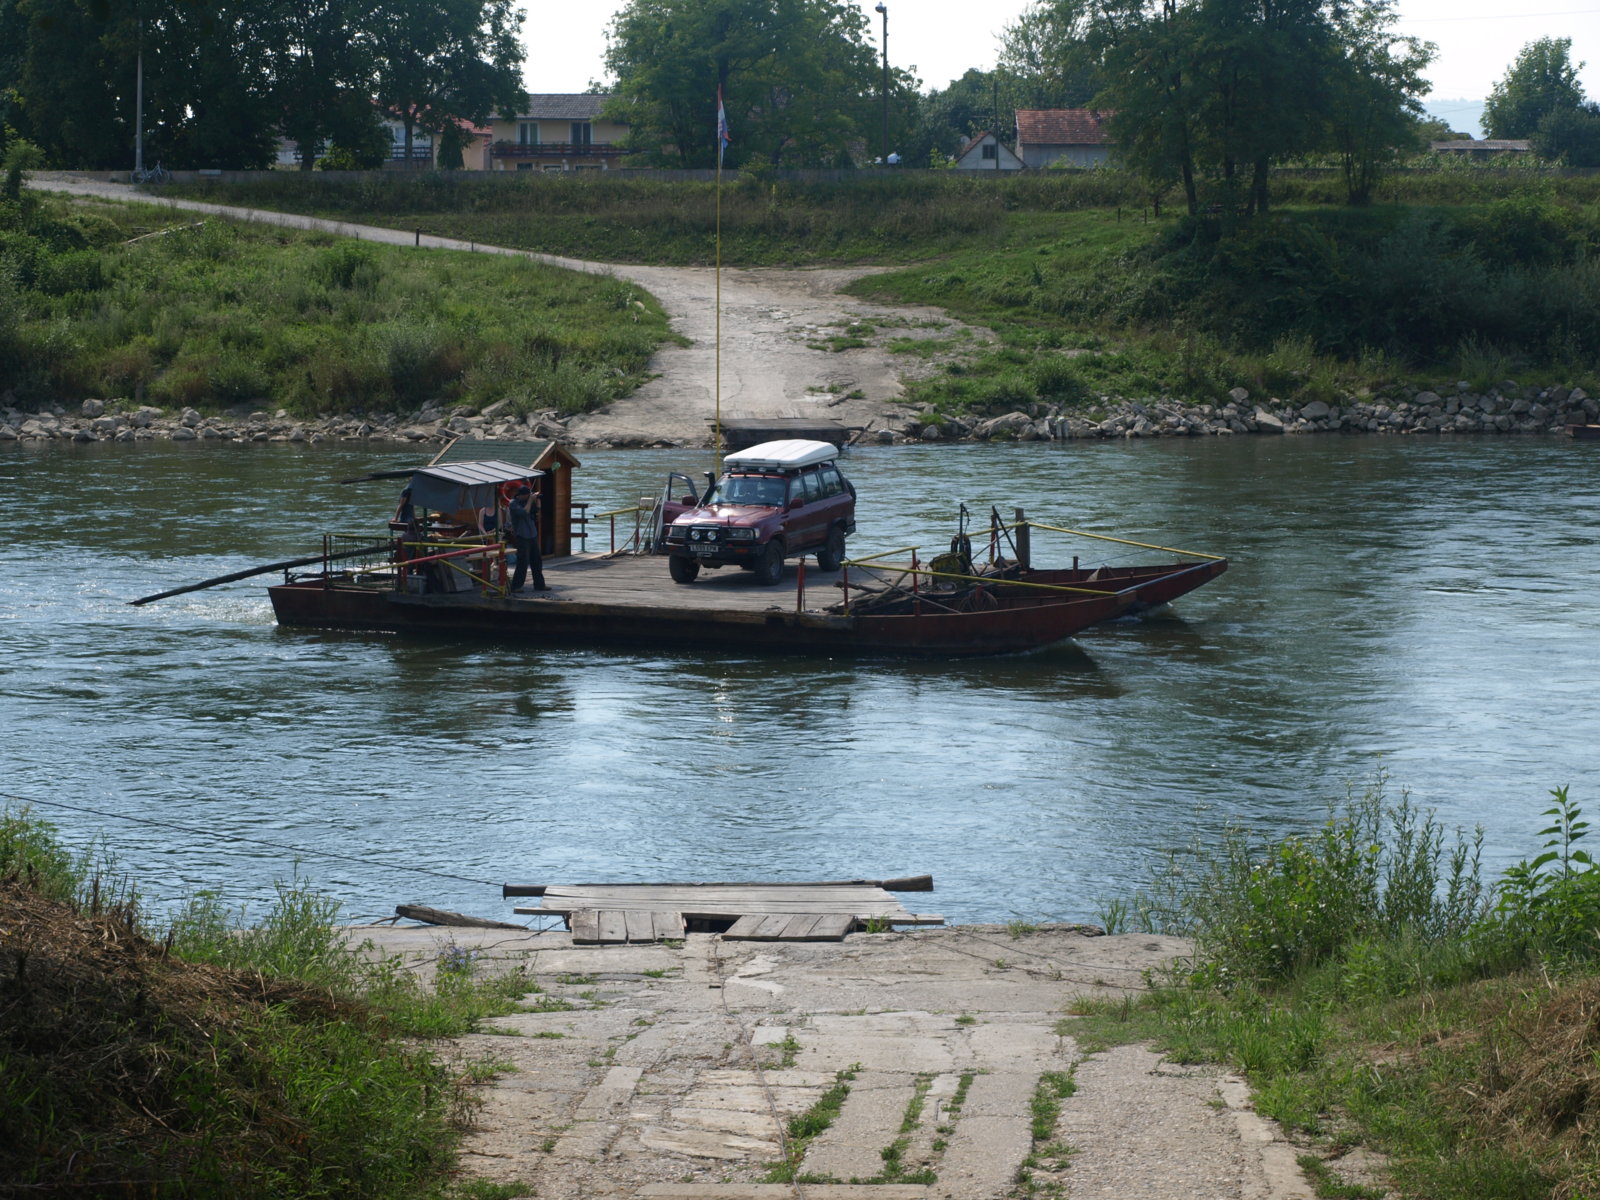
(702, 548)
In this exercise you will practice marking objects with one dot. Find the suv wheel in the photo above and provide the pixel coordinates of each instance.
(683, 569)
(832, 552)
(770, 569)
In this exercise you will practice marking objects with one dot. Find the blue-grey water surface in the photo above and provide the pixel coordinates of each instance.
(1424, 607)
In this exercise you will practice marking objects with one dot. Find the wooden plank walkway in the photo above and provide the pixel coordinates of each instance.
(616, 914)
(642, 581)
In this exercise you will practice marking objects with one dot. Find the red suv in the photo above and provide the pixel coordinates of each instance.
(774, 501)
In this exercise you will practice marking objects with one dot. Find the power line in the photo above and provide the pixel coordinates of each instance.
(1575, 12)
(204, 834)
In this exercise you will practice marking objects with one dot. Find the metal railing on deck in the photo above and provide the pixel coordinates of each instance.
(997, 529)
(457, 557)
(356, 553)
(638, 540)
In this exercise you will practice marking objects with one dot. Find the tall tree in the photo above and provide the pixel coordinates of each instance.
(1150, 79)
(799, 79)
(74, 91)
(1373, 110)
(1043, 54)
(444, 61)
(1543, 80)
(320, 56)
(1213, 93)
(1571, 135)
(948, 118)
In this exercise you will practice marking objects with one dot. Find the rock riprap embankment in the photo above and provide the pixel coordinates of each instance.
(1505, 408)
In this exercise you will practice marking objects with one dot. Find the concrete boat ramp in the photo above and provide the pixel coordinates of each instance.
(675, 1070)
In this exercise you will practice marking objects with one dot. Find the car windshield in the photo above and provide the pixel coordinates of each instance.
(750, 489)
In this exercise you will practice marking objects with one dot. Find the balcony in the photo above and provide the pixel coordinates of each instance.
(554, 150)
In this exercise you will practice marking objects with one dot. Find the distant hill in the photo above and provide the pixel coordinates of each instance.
(1464, 116)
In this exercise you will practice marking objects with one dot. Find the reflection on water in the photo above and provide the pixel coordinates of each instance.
(1427, 606)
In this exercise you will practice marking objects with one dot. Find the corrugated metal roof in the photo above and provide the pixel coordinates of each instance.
(471, 473)
(1062, 127)
(1468, 144)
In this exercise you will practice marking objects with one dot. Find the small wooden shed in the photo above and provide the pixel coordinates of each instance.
(556, 517)
(556, 509)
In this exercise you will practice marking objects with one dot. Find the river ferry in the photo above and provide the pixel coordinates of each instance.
(441, 571)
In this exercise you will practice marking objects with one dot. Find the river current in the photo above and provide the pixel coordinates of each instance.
(1426, 608)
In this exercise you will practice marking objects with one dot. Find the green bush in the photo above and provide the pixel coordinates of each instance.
(1261, 913)
(1549, 906)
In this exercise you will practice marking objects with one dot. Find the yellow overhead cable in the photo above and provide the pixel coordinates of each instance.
(1124, 541)
(995, 580)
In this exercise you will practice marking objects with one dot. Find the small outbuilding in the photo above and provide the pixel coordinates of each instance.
(1482, 148)
(1074, 137)
(986, 152)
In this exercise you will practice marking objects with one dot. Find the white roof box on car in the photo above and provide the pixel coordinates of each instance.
(789, 454)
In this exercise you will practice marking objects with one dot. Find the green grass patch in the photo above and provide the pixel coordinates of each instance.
(1461, 274)
(120, 301)
(220, 1060)
(1377, 993)
(802, 1129)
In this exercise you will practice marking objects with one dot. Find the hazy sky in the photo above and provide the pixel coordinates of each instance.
(1477, 39)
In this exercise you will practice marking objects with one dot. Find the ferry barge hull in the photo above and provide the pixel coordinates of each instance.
(1014, 624)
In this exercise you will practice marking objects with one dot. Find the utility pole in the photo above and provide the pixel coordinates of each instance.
(997, 142)
(884, 10)
(138, 107)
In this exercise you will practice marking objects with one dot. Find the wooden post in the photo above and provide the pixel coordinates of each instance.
(1023, 541)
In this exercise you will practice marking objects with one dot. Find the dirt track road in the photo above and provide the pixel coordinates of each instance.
(774, 361)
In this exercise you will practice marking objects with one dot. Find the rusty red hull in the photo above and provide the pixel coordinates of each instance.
(1014, 624)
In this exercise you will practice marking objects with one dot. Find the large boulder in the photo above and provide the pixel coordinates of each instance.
(1267, 422)
(1009, 425)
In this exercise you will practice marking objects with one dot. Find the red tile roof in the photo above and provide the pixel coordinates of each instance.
(1061, 127)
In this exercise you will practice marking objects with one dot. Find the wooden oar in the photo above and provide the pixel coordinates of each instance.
(277, 566)
(910, 883)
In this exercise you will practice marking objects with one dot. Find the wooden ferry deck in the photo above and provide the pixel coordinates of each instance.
(642, 581)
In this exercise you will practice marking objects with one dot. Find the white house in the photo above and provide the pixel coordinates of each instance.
(987, 153)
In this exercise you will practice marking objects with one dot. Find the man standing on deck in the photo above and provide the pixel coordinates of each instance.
(525, 535)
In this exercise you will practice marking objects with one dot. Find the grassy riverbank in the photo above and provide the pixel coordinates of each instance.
(206, 1061)
(137, 301)
(1459, 274)
(1380, 995)
(1390, 1006)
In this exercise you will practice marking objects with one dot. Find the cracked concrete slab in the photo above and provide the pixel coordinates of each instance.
(688, 1083)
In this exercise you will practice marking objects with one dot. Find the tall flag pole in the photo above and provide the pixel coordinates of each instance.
(723, 138)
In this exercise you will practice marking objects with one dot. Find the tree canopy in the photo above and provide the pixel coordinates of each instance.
(224, 78)
(1542, 81)
(799, 80)
(1209, 95)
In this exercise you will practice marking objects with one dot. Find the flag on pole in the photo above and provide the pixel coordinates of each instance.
(723, 137)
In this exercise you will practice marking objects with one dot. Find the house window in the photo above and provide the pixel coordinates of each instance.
(527, 133)
(582, 133)
(524, 166)
(991, 150)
